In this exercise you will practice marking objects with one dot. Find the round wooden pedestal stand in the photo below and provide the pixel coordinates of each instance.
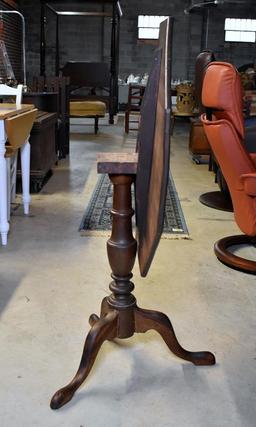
(120, 316)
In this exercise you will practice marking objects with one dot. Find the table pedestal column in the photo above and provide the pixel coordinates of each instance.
(120, 316)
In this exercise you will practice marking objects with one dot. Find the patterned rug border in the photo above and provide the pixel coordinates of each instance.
(175, 233)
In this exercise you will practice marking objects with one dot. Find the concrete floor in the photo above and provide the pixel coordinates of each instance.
(52, 279)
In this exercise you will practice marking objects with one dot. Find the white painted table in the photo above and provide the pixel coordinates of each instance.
(15, 124)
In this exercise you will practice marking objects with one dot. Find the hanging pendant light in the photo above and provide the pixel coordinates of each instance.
(203, 4)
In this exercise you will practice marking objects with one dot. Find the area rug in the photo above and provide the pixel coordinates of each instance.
(97, 218)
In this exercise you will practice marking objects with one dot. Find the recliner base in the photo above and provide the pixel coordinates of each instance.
(217, 200)
(221, 249)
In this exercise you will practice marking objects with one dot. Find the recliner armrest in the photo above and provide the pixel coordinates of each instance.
(249, 183)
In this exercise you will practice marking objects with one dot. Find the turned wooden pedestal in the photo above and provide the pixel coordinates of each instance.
(120, 317)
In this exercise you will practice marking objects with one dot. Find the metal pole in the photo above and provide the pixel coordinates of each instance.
(117, 58)
(102, 34)
(112, 103)
(23, 41)
(42, 41)
(207, 28)
(57, 59)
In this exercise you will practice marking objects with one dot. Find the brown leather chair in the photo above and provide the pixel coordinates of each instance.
(219, 199)
(198, 144)
(224, 126)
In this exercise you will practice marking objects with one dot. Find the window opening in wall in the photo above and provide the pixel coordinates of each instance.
(240, 30)
(148, 26)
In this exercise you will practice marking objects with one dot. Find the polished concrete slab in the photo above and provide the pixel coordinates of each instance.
(52, 279)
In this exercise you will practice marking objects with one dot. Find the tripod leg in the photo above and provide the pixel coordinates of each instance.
(93, 319)
(105, 309)
(104, 329)
(148, 319)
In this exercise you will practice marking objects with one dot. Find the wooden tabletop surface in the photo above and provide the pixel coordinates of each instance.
(117, 163)
(10, 110)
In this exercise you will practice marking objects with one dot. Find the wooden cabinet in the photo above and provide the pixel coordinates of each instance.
(43, 150)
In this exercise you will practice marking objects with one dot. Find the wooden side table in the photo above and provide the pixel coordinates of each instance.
(120, 317)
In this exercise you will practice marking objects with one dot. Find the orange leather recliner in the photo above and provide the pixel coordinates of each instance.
(224, 126)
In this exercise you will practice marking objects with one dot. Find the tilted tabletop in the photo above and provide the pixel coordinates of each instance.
(9, 110)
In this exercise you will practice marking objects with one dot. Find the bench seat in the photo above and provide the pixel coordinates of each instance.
(90, 109)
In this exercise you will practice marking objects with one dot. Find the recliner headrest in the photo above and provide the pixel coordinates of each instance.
(222, 92)
(202, 61)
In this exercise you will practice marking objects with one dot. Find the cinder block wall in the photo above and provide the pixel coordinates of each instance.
(13, 44)
(135, 57)
(236, 53)
(85, 38)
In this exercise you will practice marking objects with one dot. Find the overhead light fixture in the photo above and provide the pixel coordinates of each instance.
(201, 5)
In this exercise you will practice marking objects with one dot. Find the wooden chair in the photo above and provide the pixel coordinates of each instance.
(224, 127)
(135, 96)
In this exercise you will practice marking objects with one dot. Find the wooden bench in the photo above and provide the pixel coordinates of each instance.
(88, 109)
